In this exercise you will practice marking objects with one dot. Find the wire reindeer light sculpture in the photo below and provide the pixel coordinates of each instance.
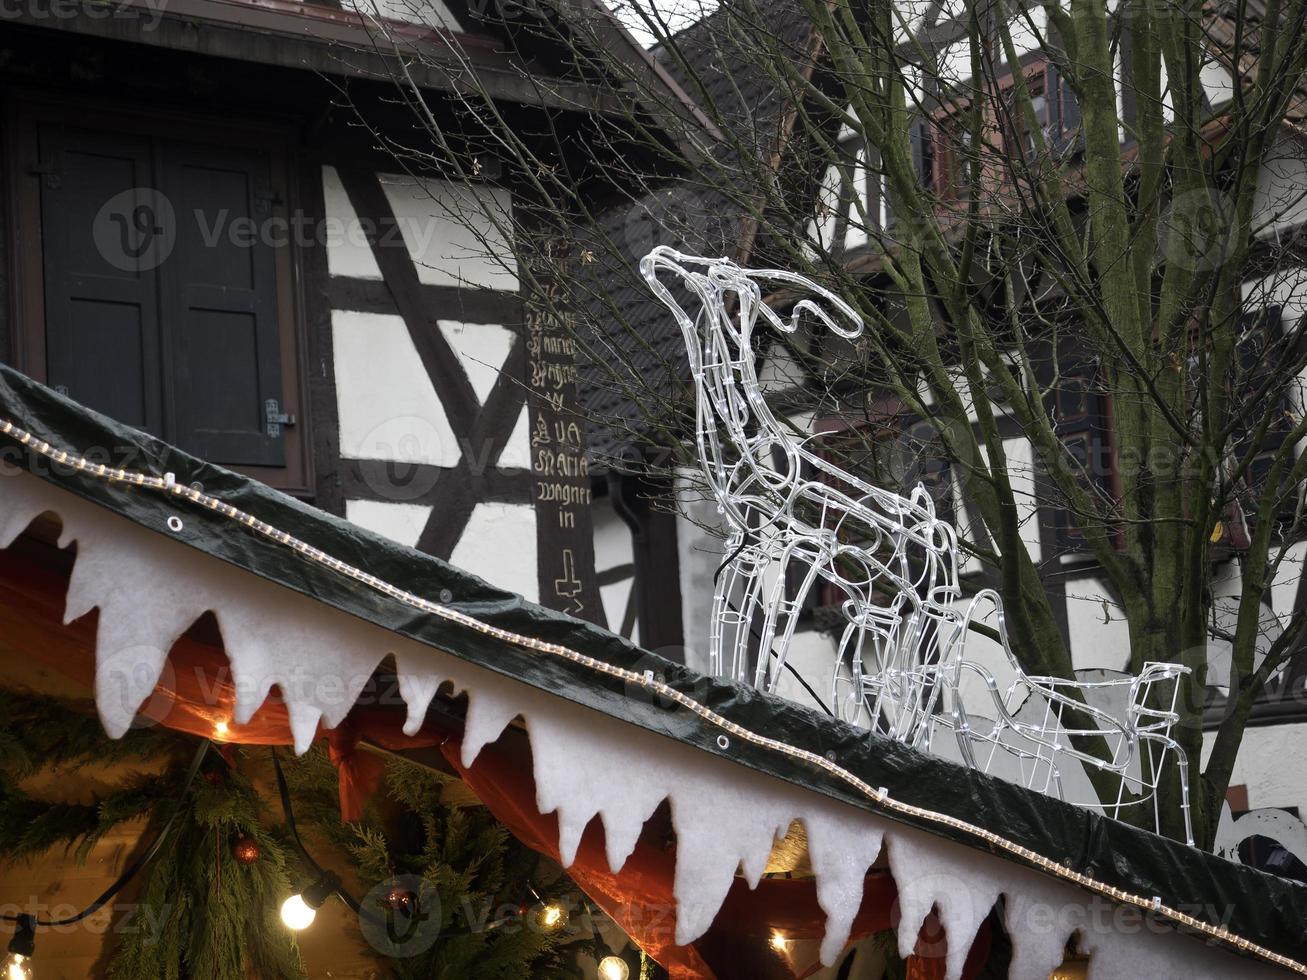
(794, 517)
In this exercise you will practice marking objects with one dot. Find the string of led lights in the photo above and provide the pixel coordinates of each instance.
(877, 796)
(300, 909)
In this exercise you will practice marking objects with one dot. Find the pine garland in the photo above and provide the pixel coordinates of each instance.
(202, 913)
(210, 915)
(474, 865)
(195, 901)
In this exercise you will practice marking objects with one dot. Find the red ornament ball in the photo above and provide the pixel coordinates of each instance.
(246, 850)
(400, 899)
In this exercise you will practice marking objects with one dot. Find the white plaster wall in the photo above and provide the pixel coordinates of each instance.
(1096, 625)
(499, 544)
(1021, 475)
(859, 217)
(517, 451)
(348, 251)
(1216, 82)
(987, 654)
(482, 349)
(955, 62)
(1284, 587)
(821, 230)
(1271, 764)
(1281, 200)
(427, 13)
(399, 522)
(1027, 27)
(780, 372)
(812, 654)
(386, 404)
(457, 234)
(698, 555)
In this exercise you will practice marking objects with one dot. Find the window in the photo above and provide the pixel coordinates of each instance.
(160, 293)
(942, 140)
(939, 149)
(1018, 138)
(1063, 113)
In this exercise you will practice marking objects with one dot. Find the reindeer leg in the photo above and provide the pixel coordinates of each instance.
(784, 611)
(726, 619)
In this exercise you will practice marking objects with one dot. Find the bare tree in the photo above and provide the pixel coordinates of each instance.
(1030, 205)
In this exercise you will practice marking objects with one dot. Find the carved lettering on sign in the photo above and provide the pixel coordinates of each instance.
(561, 488)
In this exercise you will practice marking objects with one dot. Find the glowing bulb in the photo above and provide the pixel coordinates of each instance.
(18, 967)
(779, 942)
(220, 729)
(613, 968)
(553, 916)
(296, 913)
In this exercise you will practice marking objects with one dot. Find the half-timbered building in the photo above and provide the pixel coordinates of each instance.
(222, 225)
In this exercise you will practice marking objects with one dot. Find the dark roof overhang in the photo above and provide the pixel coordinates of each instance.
(339, 567)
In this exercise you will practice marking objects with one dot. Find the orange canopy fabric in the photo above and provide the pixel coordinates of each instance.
(195, 695)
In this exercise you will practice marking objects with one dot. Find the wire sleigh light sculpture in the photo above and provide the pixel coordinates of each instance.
(795, 520)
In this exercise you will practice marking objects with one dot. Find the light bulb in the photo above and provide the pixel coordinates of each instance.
(18, 958)
(552, 916)
(779, 942)
(297, 914)
(613, 968)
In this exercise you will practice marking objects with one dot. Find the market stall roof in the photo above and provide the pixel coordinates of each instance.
(301, 597)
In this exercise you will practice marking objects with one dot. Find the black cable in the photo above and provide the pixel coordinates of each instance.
(289, 814)
(753, 630)
(323, 875)
(134, 868)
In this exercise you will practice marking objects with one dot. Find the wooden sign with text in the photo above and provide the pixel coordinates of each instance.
(560, 474)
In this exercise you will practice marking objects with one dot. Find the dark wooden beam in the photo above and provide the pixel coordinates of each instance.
(656, 591)
(389, 481)
(447, 302)
(323, 39)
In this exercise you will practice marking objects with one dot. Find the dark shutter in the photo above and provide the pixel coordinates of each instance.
(1081, 424)
(220, 309)
(923, 153)
(99, 229)
(160, 289)
(1261, 346)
